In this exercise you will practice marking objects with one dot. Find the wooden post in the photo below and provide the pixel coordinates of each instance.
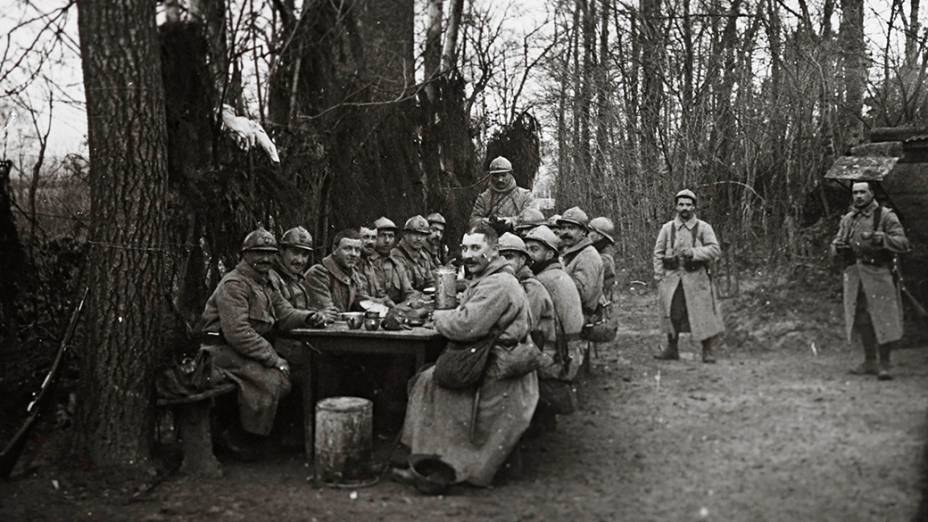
(344, 439)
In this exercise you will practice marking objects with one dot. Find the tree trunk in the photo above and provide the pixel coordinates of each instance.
(855, 70)
(128, 183)
(433, 47)
(449, 50)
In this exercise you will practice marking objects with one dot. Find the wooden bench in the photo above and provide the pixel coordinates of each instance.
(192, 420)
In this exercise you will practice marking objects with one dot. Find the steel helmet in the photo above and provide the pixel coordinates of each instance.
(685, 193)
(384, 223)
(416, 223)
(500, 165)
(530, 218)
(435, 217)
(552, 221)
(297, 237)
(545, 236)
(259, 240)
(575, 216)
(604, 227)
(512, 242)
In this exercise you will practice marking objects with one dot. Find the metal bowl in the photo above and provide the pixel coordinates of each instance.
(433, 476)
(354, 320)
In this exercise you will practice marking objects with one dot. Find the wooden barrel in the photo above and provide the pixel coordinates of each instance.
(344, 433)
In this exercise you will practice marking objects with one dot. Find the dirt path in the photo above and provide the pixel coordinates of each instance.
(758, 436)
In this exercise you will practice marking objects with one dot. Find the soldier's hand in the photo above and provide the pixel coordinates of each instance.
(686, 252)
(877, 238)
(330, 315)
(282, 366)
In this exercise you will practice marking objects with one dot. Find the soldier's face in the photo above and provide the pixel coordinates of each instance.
(348, 252)
(516, 260)
(436, 233)
(500, 180)
(294, 259)
(385, 241)
(260, 260)
(416, 240)
(368, 240)
(538, 252)
(570, 234)
(685, 208)
(476, 253)
(861, 194)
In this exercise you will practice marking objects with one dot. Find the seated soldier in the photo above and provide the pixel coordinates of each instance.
(238, 320)
(333, 284)
(412, 255)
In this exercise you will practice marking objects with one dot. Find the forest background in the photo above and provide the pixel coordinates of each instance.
(394, 107)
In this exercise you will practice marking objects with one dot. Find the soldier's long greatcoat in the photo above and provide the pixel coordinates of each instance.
(702, 306)
(292, 288)
(584, 265)
(884, 300)
(333, 288)
(245, 309)
(499, 204)
(543, 316)
(438, 420)
(569, 312)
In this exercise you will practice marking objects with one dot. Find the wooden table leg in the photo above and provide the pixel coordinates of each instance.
(309, 407)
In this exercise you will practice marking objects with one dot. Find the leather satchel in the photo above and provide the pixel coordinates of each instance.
(462, 365)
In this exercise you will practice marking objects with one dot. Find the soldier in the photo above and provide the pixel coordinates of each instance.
(474, 430)
(373, 284)
(528, 219)
(512, 248)
(503, 201)
(334, 285)
(684, 249)
(602, 235)
(411, 254)
(581, 260)
(436, 246)
(239, 318)
(869, 236)
(542, 246)
(388, 276)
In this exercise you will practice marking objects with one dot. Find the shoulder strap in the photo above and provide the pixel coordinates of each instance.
(877, 214)
(695, 233)
(673, 237)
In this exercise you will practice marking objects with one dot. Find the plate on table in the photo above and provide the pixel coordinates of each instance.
(373, 306)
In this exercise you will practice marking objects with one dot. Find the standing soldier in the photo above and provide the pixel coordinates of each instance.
(238, 320)
(869, 237)
(412, 255)
(503, 201)
(436, 245)
(684, 249)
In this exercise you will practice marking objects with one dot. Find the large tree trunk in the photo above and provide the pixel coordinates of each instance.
(855, 71)
(128, 183)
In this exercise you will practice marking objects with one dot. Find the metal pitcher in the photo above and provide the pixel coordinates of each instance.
(446, 296)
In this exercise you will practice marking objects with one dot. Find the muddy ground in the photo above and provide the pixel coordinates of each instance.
(765, 434)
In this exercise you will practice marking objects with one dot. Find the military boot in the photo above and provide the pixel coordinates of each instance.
(883, 373)
(670, 352)
(707, 346)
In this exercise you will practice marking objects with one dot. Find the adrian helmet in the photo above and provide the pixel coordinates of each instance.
(604, 227)
(435, 218)
(384, 223)
(417, 224)
(685, 193)
(513, 243)
(259, 240)
(297, 237)
(500, 165)
(576, 216)
(545, 236)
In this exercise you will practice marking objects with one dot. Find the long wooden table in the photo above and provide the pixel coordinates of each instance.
(419, 343)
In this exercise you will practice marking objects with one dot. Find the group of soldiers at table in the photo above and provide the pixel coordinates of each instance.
(535, 289)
